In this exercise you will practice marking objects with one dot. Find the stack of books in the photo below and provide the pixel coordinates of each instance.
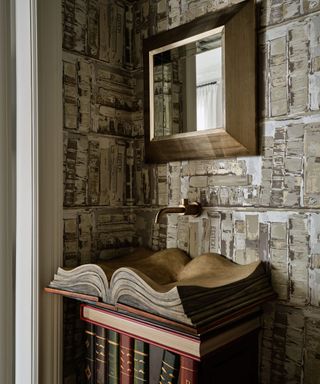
(113, 358)
(127, 350)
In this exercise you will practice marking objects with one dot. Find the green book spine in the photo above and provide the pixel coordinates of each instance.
(141, 362)
(113, 357)
(101, 355)
(89, 343)
(169, 373)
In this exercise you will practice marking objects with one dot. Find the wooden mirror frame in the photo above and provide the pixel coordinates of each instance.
(239, 136)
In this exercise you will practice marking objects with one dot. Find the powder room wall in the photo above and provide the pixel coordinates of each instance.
(104, 177)
(264, 207)
(268, 206)
(99, 106)
(99, 125)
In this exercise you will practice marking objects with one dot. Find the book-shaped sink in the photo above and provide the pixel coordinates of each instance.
(171, 284)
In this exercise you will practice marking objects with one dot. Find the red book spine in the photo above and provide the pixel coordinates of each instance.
(188, 371)
(126, 359)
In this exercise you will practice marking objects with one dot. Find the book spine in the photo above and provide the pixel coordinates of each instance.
(126, 359)
(101, 355)
(89, 343)
(113, 357)
(141, 362)
(188, 371)
(170, 368)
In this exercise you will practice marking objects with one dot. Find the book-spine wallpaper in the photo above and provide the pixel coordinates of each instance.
(101, 119)
(265, 207)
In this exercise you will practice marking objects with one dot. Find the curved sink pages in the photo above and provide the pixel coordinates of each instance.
(170, 283)
(89, 279)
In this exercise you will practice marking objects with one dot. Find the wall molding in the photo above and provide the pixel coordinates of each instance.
(39, 190)
(6, 199)
(50, 186)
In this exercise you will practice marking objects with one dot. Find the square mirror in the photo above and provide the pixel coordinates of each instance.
(187, 88)
(200, 88)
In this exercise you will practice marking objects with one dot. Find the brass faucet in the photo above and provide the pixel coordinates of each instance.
(185, 207)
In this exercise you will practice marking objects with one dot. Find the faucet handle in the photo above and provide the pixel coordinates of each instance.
(193, 208)
(184, 202)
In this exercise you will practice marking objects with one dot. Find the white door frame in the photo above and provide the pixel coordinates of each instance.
(39, 184)
(7, 210)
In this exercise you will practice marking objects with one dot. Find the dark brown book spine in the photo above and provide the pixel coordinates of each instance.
(188, 371)
(101, 355)
(170, 368)
(155, 363)
(89, 344)
(126, 359)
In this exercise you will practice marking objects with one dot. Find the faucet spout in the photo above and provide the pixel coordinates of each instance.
(164, 211)
(185, 207)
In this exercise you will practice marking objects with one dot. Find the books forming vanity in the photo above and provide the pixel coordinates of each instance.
(166, 318)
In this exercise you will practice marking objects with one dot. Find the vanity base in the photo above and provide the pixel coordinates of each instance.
(237, 362)
(229, 354)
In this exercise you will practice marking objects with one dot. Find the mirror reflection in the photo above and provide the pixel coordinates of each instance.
(188, 89)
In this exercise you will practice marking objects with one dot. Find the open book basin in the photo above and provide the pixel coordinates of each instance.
(171, 283)
(172, 267)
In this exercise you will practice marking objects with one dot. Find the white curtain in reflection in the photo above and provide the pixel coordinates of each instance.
(209, 106)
